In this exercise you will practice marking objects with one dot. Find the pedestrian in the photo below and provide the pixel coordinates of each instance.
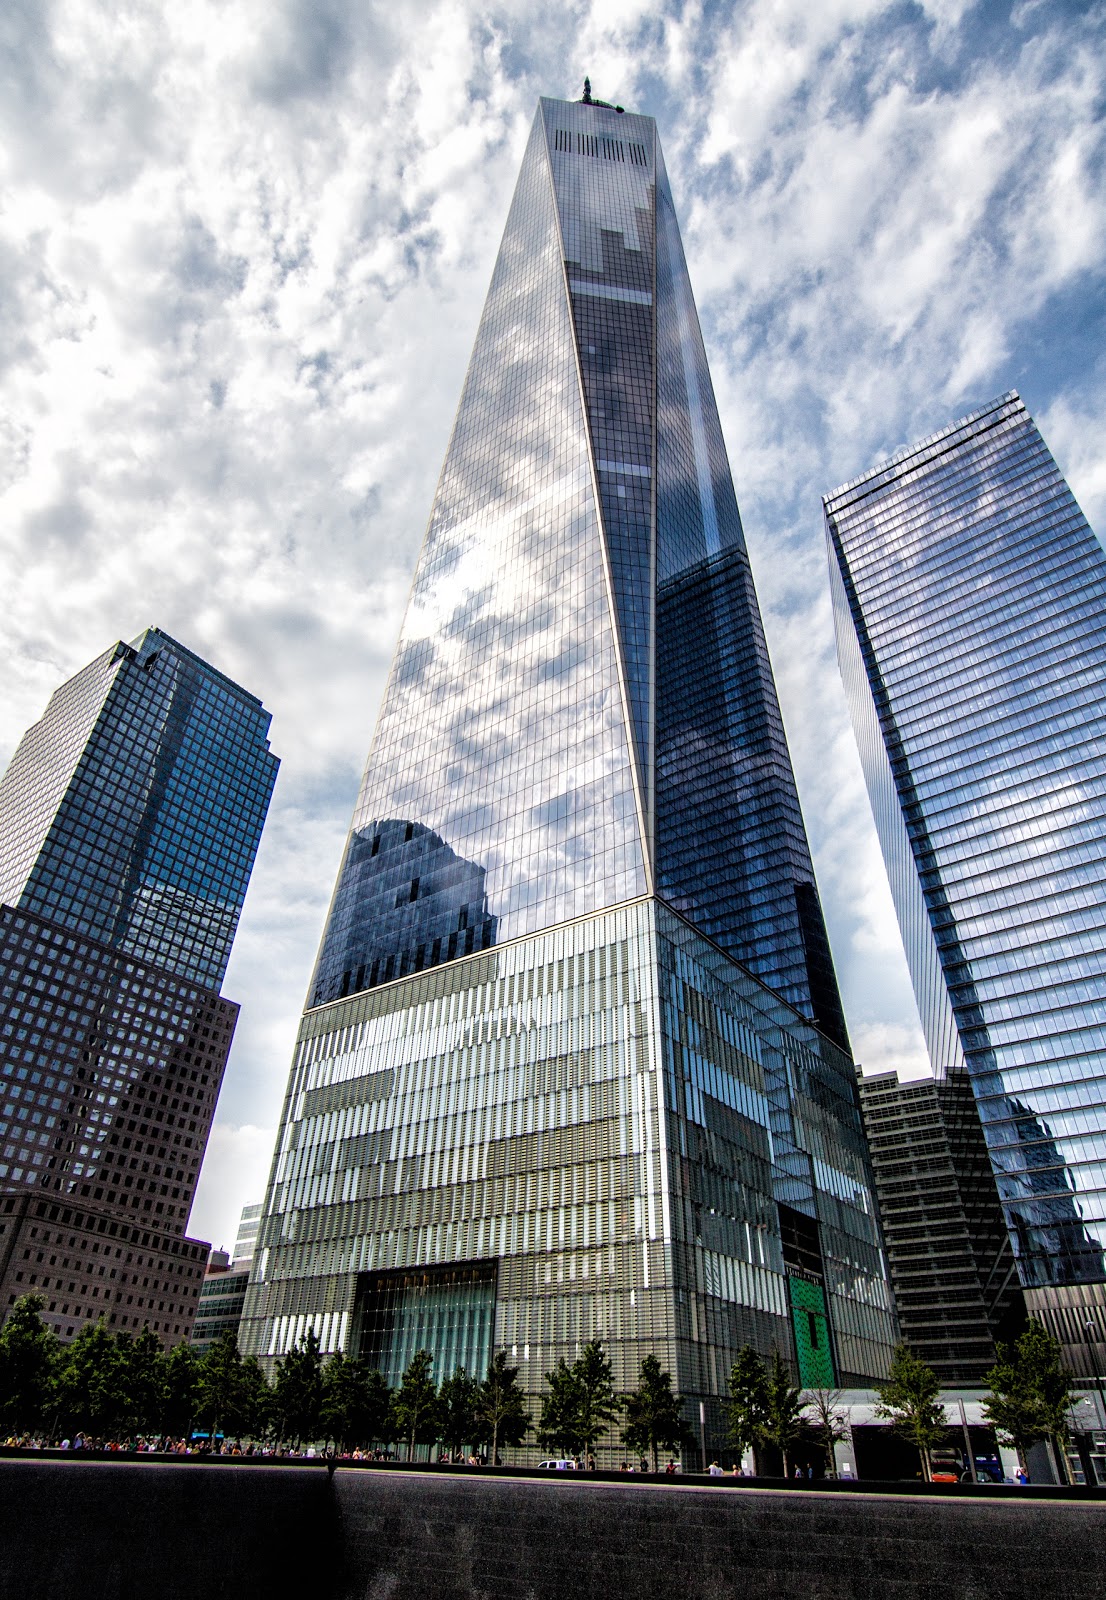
(715, 1469)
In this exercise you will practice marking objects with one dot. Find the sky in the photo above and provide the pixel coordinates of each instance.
(243, 252)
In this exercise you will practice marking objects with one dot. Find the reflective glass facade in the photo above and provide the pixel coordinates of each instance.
(129, 819)
(581, 707)
(529, 1040)
(648, 1143)
(970, 599)
(132, 811)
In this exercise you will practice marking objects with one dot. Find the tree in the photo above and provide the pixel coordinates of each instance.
(746, 1406)
(415, 1408)
(829, 1421)
(1031, 1394)
(375, 1418)
(298, 1390)
(458, 1399)
(341, 1385)
(255, 1398)
(909, 1400)
(228, 1388)
(596, 1402)
(88, 1382)
(783, 1411)
(142, 1379)
(501, 1404)
(653, 1413)
(180, 1395)
(559, 1423)
(28, 1353)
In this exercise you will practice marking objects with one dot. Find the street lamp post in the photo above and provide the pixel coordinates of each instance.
(1091, 1329)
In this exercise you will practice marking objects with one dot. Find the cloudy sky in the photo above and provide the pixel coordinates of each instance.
(243, 250)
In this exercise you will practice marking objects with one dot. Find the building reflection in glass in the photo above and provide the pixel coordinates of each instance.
(404, 901)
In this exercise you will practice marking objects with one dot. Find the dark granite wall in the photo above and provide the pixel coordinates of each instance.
(73, 1530)
(123, 1531)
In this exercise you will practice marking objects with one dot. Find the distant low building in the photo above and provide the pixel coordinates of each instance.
(222, 1297)
(952, 1270)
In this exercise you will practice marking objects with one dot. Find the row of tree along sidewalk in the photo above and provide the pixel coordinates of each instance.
(121, 1387)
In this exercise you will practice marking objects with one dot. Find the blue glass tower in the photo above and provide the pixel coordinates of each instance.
(130, 816)
(970, 601)
(573, 1057)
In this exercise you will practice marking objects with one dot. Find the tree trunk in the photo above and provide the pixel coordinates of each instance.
(495, 1440)
(927, 1470)
(656, 1466)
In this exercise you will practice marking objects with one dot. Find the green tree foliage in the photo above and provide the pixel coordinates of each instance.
(783, 1411)
(597, 1404)
(415, 1406)
(255, 1399)
(180, 1404)
(828, 1419)
(581, 1403)
(228, 1391)
(88, 1385)
(29, 1352)
(341, 1399)
(298, 1391)
(559, 1423)
(141, 1381)
(1031, 1394)
(376, 1417)
(501, 1404)
(909, 1400)
(356, 1403)
(652, 1411)
(746, 1405)
(121, 1386)
(458, 1399)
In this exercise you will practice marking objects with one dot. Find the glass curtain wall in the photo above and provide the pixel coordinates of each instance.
(972, 591)
(528, 1040)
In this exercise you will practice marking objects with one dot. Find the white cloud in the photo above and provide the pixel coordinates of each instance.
(242, 255)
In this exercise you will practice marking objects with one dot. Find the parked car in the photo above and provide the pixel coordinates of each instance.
(558, 1466)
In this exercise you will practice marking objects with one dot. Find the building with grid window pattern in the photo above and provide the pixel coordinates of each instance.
(573, 1061)
(970, 602)
(952, 1270)
(129, 820)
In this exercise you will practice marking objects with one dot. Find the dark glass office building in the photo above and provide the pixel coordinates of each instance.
(970, 602)
(952, 1269)
(574, 1062)
(129, 820)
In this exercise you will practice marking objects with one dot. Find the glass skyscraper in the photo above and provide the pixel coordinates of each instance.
(970, 602)
(130, 816)
(573, 1061)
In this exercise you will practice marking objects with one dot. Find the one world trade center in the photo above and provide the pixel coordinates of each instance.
(573, 1062)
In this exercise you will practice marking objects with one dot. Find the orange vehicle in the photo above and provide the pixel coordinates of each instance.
(946, 1465)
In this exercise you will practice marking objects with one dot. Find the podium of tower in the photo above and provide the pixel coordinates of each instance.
(573, 1062)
